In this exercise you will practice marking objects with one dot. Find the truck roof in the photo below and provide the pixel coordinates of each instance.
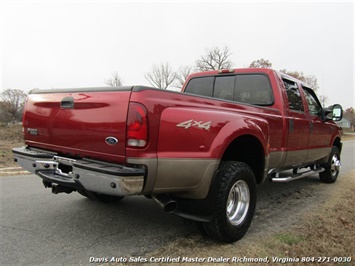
(234, 70)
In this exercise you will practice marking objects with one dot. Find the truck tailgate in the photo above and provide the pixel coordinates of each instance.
(79, 122)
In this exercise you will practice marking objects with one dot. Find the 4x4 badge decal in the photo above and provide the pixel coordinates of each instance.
(193, 123)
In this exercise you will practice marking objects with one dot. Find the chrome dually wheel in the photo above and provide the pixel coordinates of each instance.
(238, 202)
(335, 165)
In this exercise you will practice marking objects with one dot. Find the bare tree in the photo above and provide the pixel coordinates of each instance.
(161, 76)
(115, 80)
(323, 99)
(12, 104)
(214, 59)
(350, 115)
(182, 74)
(309, 80)
(261, 63)
(312, 82)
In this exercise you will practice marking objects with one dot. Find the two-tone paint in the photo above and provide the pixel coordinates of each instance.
(187, 137)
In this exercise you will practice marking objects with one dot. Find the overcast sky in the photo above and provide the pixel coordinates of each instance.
(81, 43)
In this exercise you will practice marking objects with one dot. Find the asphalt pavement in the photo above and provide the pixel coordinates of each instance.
(40, 228)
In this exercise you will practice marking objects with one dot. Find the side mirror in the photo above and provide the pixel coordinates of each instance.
(334, 113)
(337, 112)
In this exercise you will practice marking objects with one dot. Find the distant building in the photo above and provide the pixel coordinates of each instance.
(344, 123)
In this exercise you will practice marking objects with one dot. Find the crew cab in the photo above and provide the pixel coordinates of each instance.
(200, 153)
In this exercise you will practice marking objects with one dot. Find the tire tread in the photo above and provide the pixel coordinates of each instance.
(219, 228)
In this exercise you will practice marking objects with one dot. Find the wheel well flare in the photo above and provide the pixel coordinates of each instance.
(249, 150)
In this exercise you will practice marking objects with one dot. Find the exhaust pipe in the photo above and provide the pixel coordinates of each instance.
(166, 202)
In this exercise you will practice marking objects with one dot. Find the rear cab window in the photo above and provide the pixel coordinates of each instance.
(244, 88)
(201, 86)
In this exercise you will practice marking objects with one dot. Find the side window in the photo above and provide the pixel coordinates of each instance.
(201, 86)
(224, 88)
(313, 105)
(293, 95)
(253, 89)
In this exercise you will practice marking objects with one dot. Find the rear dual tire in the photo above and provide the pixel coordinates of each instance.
(235, 203)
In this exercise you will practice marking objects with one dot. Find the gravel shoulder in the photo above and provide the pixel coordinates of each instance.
(7, 164)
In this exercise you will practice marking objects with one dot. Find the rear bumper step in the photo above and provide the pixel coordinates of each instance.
(95, 176)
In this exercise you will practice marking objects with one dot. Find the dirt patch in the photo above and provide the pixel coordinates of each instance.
(11, 137)
(11, 133)
(6, 156)
(348, 136)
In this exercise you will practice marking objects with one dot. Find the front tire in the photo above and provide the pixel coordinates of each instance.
(332, 167)
(235, 202)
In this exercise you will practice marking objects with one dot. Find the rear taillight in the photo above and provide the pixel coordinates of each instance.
(137, 126)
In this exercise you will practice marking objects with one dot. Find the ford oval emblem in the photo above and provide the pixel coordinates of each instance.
(111, 140)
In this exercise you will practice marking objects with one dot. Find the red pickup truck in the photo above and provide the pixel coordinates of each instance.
(200, 153)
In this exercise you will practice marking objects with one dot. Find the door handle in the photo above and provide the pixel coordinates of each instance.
(67, 103)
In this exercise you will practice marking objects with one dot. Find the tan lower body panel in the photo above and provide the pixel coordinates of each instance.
(290, 159)
(187, 178)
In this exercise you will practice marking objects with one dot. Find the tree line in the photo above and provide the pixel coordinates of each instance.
(161, 76)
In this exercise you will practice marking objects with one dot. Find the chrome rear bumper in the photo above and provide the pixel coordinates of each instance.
(95, 176)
